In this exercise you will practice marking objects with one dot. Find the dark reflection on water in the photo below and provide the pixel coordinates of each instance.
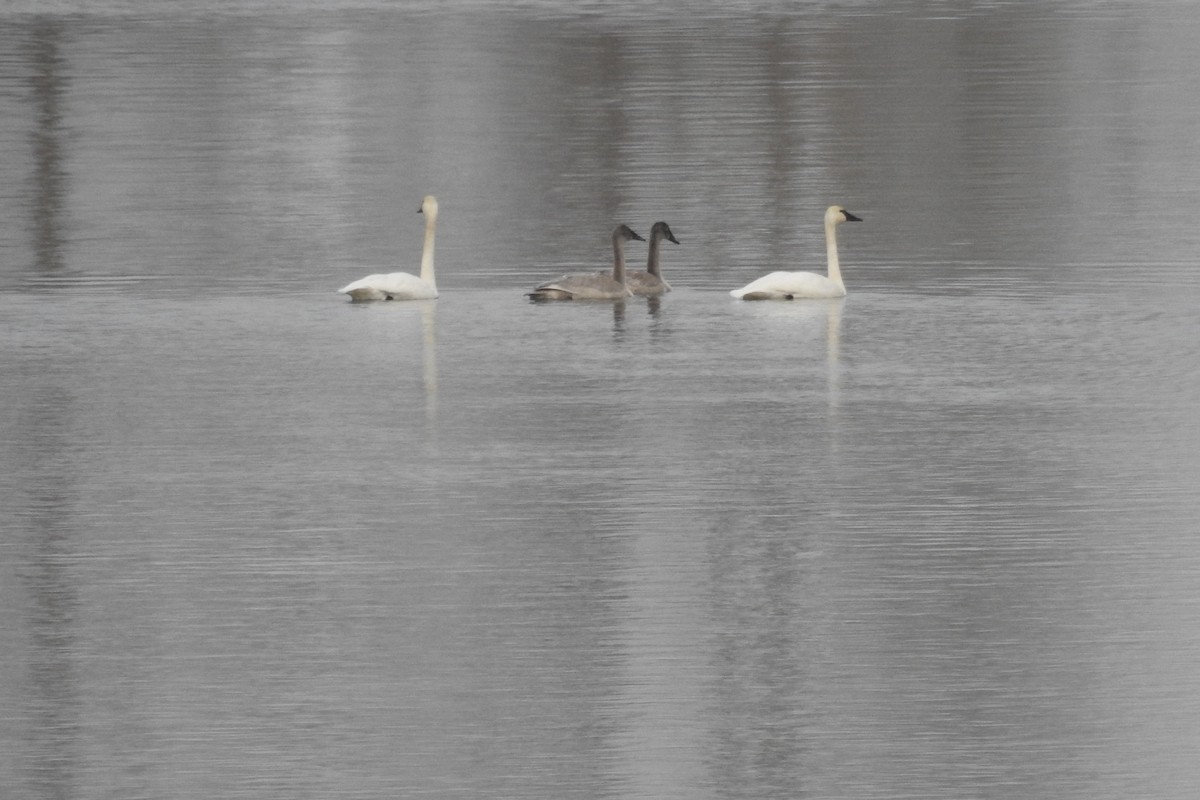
(47, 187)
(932, 540)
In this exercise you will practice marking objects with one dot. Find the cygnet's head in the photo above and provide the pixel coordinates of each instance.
(625, 233)
(428, 206)
(662, 230)
(837, 215)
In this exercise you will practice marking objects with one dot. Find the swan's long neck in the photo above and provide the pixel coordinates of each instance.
(618, 259)
(427, 252)
(652, 259)
(835, 270)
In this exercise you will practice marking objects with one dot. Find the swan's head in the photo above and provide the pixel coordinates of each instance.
(624, 233)
(836, 215)
(662, 230)
(428, 206)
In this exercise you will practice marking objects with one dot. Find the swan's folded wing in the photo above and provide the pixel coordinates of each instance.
(361, 283)
(558, 283)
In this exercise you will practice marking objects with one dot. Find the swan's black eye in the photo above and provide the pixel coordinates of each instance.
(788, 297)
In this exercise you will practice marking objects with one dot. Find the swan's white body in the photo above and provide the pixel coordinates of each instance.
(402, 285)
(593, 285)
(797, 285)
(650, 282)
(790, 286)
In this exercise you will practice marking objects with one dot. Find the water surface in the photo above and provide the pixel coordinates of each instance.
(932, 540)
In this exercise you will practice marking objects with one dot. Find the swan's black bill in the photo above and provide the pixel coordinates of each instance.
(850, 217)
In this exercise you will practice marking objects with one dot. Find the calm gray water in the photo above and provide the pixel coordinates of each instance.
(935, 540)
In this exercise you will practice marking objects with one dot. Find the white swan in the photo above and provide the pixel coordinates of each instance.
(651, 282)
(402, 285)
(593, 285)
(795, 285)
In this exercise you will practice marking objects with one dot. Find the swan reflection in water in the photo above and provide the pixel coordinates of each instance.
(429, 370)
(805, 327)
